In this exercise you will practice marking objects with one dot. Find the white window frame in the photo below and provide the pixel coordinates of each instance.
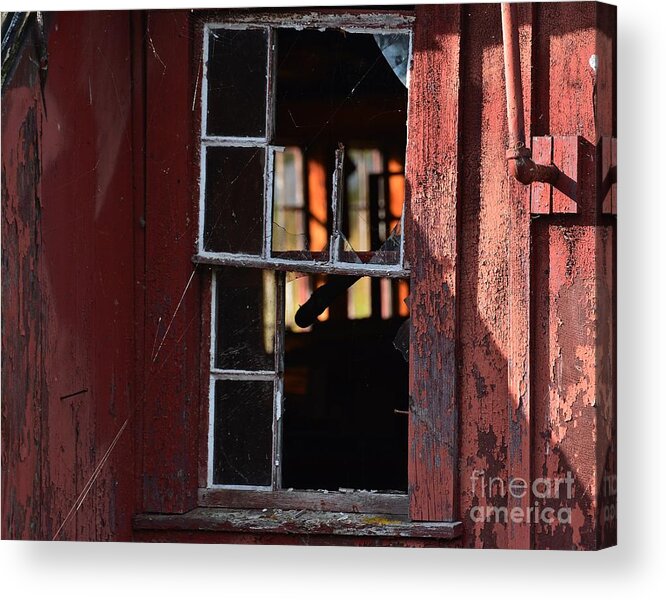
(372, 23)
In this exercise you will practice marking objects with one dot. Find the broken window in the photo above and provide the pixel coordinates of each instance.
(309, 385)
(303, 148)
(302, 190)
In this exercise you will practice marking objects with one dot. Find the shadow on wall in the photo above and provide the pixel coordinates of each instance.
(572, 400)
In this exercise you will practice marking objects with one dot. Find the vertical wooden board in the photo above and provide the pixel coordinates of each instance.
(606, 310)
(204, 389)
(484, 301)
(172, 310)
(566, 289)
(605, 54)
(542, 153)
(606, 364)
(519, 499)
(78, 285)
(70, 171)
(431, 246)
(113, 278)
(566, 152)
(138, 63)
(22, 297)
(86, 174)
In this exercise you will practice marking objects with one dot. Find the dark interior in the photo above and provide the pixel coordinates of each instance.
(344, 382)
(334, 86)
(344, 379)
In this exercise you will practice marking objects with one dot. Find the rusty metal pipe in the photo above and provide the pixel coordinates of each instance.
(519, 157)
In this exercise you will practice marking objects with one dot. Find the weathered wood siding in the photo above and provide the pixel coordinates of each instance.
(67, 275)
(513, 334)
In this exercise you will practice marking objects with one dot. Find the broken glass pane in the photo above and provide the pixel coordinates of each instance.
(300, 207)
(374, 195)
(360, 165)
(297, 292)
(395, 48)
(245, 319)
(237, 61)
(338, 89)
(335, 86)
(326, 295)
(243, 432)
(233, 220)
(290, 238)
(347, 252)
(318, 203)
(359, 298)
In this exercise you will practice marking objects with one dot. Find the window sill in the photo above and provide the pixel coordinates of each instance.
(297, 522)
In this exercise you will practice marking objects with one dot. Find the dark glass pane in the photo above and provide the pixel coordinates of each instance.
(245, 320)
(233, 220)
(335, 86)
(243, 432)
(237, 82)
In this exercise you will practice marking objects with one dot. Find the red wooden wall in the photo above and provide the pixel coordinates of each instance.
(536, 311)
(101, 189)
(68, 285)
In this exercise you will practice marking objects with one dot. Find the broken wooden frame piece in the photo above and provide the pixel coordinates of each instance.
(296, 522)
(562, 197)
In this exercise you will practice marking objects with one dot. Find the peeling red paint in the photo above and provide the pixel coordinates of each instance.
(69, 198)
(513, 312)
(431, 234)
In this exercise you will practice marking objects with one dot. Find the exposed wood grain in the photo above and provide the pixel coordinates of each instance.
(566, 152)
(88, 207)
(297, 522)
(573, 340)
(484, 300)
(354, 502)
(22, 295)
(606, 279)
(431, 227)
(347, 18)
(542, 153)
(284, 539)
(518, 371)
(173, 309)
(303, 266)
(74, 311)
(73, 288)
